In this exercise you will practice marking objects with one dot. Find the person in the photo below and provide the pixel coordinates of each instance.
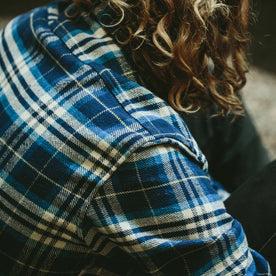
(99, 174)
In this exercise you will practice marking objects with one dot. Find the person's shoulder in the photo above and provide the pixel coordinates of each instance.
(93, 101)
(153, 114)
(45, 38)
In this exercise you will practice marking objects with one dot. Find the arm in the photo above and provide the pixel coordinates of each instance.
(160, 213)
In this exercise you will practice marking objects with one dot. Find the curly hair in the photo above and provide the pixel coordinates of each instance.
(190, 52)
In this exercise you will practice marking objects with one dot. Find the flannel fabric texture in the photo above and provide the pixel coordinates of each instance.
(98, 176)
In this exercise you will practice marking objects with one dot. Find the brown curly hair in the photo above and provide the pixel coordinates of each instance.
(191, 52)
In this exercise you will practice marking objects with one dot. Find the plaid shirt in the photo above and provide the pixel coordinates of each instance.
(99, 176)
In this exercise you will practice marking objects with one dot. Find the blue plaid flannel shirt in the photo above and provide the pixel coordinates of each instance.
(98, 176)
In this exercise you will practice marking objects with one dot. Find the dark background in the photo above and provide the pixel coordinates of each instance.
(264, 34)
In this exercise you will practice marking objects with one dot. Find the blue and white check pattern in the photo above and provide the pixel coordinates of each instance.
(98, 176)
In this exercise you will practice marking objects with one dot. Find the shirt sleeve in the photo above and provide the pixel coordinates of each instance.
(159, 214)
